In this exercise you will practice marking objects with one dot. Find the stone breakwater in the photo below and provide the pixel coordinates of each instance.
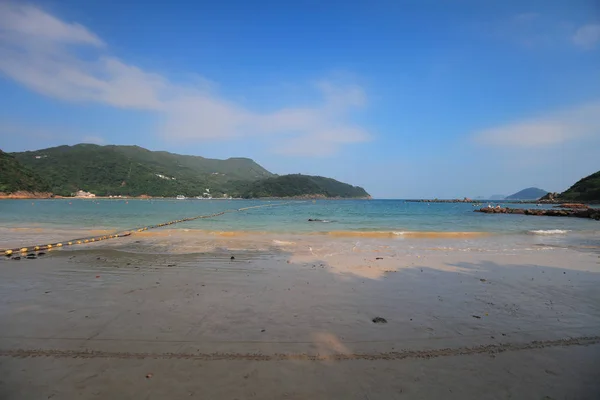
(593, 213)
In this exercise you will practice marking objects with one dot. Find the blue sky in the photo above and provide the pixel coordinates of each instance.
(406, 98)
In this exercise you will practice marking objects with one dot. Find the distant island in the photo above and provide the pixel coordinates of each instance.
(531, 193)
(137, 172)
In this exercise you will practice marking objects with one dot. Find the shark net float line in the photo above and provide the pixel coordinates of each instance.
(93, 239)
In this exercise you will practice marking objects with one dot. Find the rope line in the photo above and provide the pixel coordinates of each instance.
(92, 239)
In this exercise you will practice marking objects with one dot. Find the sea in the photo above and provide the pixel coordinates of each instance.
(22, 221)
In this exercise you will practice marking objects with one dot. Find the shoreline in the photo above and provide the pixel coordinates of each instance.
(167, 325)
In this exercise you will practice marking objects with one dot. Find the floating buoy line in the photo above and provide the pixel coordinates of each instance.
(22, 251)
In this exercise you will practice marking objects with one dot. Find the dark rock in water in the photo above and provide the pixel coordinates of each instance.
(379, 320)
(31, 257)
(41, 253)
(232, 258)
(379, 258)
(572, 205)
(593, 213)
(17, 258)
(31, 254)
(314, 220)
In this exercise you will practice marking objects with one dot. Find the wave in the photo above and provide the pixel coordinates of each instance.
(549, 232)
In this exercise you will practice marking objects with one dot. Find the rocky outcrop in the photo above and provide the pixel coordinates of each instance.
(26, 195)
(550, 198)
(593, 213)
(572, 205)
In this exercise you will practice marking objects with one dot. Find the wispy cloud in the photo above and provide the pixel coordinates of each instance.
(46, 54)
(553, 129)
(587, 36)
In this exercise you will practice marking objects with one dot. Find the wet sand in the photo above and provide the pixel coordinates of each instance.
(292, 318)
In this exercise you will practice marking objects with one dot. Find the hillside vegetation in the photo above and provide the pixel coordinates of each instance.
(586, 189)
(303, 185)
(135, 171)
(132, 170)
(16, 177)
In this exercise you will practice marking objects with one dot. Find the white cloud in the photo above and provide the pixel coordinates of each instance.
(556, 128)
(44, 54)
(32, 23)
(587, 36)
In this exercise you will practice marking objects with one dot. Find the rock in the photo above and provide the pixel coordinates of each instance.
(476, 316)
(379, 320)
(17, 258)
(379, 258)
(592, 213)
(572, 205)
(41, 253)
(232, 258)
(31, 257)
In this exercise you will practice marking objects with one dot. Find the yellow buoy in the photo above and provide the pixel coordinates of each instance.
(79, 242)
(70, 243)
(59, 245)
(36, 248)
(24, 250)
(49, 246)
(85, 241)
(8, 252)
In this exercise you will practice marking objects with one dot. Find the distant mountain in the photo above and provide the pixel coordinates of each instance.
(531, 193)
(133, 170)
(586, 189)
(16, 177)
(303, 185)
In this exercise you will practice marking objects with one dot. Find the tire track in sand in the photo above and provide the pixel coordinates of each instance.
(397, 355)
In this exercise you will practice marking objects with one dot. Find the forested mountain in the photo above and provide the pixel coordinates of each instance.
(586, 189)
(301, 185)
(16, 177)
(132, 170)
(135, 171)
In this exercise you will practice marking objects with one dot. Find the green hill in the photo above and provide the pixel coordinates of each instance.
(586, 189)
(132, 170)
(302, 185)
(531, 193)
(16, 177)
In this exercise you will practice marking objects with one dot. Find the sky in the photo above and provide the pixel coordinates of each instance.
(409, 99)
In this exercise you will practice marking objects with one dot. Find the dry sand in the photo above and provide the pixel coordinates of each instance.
(293, 320)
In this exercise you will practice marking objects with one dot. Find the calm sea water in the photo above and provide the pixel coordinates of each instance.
(291, 217)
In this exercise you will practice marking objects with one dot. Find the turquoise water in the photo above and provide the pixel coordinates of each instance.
(289, 217)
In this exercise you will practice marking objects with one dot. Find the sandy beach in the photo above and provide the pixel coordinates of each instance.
(293, 319)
